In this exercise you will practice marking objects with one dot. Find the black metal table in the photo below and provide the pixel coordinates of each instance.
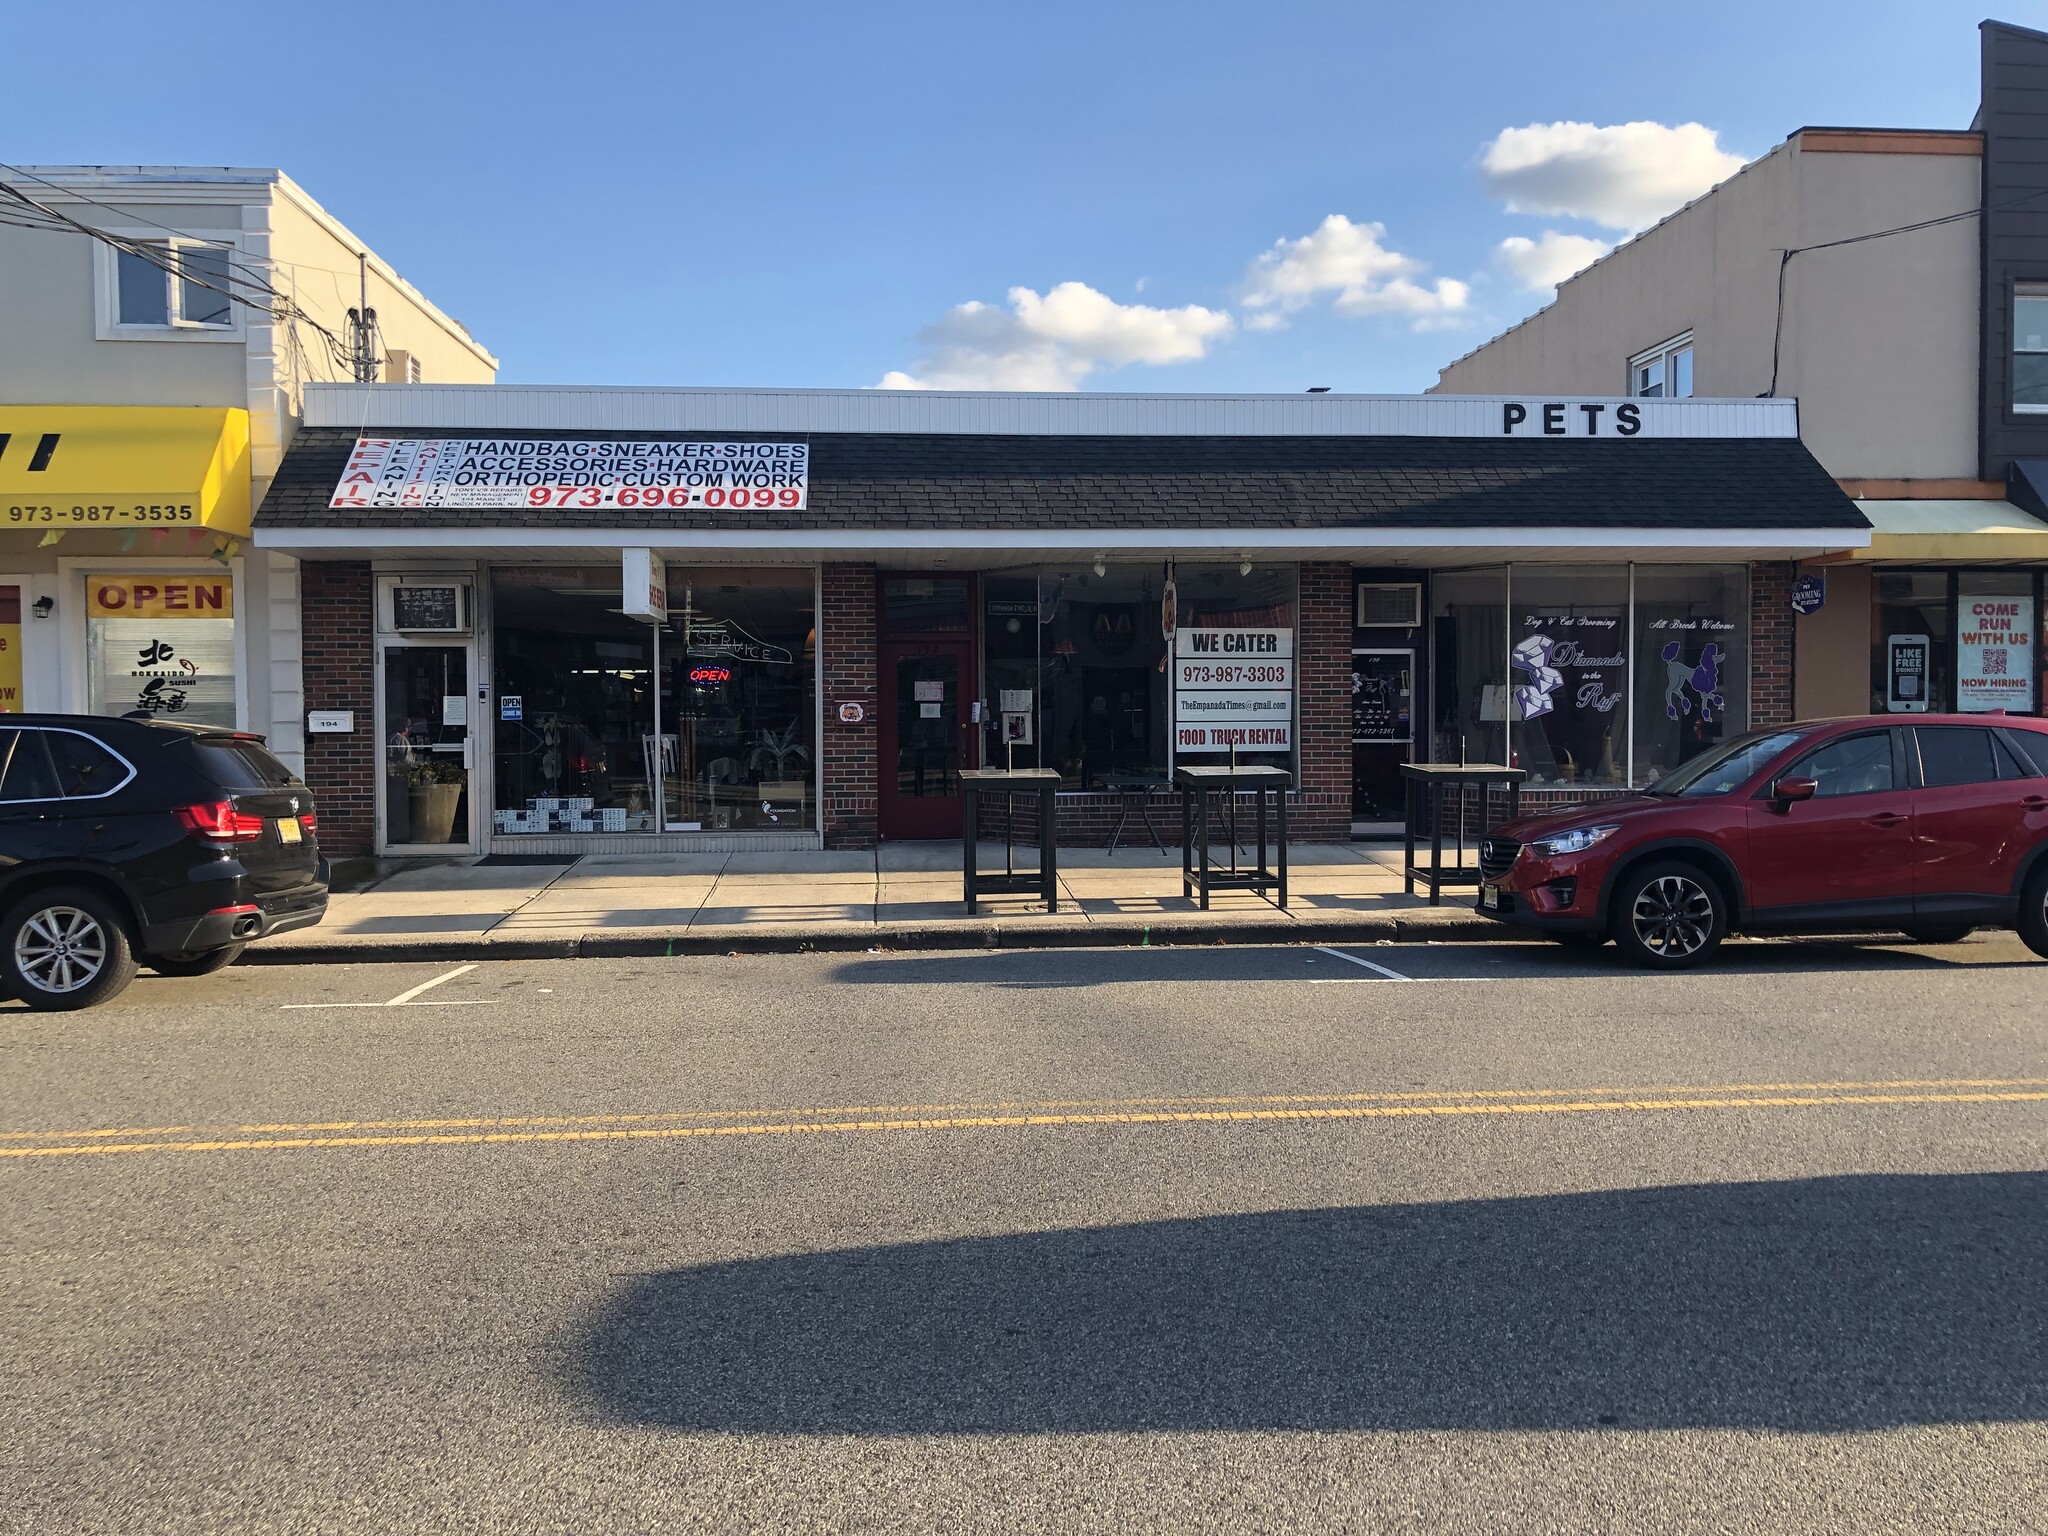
(1425, 785)
(1197, 874)
(1009, 783)
(1133, 789)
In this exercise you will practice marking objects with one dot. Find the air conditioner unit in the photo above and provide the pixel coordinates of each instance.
(1388, 605)
(429, 608)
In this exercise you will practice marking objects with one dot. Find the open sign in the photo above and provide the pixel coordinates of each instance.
(160, 597)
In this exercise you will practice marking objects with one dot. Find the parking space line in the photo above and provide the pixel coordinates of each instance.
(406, 999)
(1389, 974)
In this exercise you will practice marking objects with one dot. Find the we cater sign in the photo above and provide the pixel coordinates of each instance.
(1233, 688)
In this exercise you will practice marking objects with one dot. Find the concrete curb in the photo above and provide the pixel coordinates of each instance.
(1410, 926)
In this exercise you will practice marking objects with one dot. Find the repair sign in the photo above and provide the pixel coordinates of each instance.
(584, 474)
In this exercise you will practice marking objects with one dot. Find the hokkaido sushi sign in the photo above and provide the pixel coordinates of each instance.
(581, 474)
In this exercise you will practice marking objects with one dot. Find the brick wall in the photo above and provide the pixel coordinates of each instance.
(1770, 643)
(335, 602)
(846, 670)
(1321, 810)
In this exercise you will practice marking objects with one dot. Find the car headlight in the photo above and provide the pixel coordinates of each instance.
(1578, 840)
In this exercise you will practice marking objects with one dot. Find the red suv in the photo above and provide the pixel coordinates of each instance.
(1931, 828)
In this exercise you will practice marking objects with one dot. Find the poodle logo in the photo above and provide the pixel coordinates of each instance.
(1703, 680)
(1532, 657)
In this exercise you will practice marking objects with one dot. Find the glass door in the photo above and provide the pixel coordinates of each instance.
(924, 739)
(426, 795)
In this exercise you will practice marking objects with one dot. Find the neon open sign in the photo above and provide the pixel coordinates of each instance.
(710, 677)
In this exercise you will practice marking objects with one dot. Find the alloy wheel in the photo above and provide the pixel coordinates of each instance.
(61, 949)
(1674, 917)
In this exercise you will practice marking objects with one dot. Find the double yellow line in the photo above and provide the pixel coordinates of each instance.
(1193, 1110)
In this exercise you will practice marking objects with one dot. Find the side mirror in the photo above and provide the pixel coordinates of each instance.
(1785, 791)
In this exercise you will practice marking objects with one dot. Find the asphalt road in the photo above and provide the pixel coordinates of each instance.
(1219, 1239)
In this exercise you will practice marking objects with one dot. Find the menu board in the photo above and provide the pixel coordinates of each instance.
(1382, 697)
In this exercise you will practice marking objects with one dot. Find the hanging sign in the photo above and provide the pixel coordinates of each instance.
(1233, 688)
(576, 474)
(1995, 655)
(1906, 668)
(1809, 592)
(643, 586)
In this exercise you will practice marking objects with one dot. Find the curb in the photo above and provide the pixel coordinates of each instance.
(1408, 927)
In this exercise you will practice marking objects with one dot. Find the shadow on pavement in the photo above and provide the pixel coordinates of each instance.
(1814, 1305)
(1035, 970)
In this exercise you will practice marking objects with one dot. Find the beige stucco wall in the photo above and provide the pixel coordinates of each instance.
(1880, 341)
(1831, 648)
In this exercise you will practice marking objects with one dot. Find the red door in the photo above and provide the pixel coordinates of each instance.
(925, 736)
(1972, 821)
(1847, 852)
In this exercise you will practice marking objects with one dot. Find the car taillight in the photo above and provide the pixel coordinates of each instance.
(219, 822)
(310, 822)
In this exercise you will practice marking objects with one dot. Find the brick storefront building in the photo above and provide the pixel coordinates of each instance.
(842, 598)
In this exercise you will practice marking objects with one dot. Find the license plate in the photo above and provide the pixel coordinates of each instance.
(289, 831)
(1489, 896)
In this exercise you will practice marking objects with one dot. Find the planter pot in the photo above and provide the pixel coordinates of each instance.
(433, 808)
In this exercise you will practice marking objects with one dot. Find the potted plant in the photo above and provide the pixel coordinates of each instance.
(434, 795)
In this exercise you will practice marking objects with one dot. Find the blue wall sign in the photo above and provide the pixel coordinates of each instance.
(1809, 591)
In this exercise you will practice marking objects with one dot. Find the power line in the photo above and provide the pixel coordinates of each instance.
(1785, 260)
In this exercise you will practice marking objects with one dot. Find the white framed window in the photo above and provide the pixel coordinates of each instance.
(1664, 372)
(167, 289)
(2030, 348)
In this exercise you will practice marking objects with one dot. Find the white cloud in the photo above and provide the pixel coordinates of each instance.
(1346, 259)
(1625, 176)
(1054, 341)
(1540, 265)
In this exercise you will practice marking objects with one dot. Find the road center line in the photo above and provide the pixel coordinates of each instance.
(1000, 1122)
(1370, 965)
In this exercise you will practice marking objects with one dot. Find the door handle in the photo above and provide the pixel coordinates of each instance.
(1888, 819)
(2035, 803)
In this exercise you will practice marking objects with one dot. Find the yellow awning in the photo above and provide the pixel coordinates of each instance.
(1944, 532)
(124, 466)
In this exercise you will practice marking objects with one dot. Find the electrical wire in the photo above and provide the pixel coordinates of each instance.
(1785, 260)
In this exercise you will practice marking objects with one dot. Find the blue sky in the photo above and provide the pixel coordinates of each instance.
(805, 194)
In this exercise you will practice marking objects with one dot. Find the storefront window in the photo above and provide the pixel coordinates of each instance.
(1912, 667)
(1549, 652)
(1254, 708)
(1568, 653)
(574, 679)
(1691, 663)
(1009, 650)
(739, 713)
(577, 748)
(163, 645)
(1105, 696)
(1995, 645)
(1469, 666)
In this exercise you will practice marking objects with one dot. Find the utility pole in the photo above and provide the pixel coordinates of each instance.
(362, 324)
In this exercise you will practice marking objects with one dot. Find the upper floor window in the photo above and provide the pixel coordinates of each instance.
(173, 284)
(1664, 372)
(2030, 347)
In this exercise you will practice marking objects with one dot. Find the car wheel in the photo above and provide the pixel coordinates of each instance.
(1669, 916)
(2033, 923)
(65, 948)
(1940, 933)
(1579, 940)
(198, 963)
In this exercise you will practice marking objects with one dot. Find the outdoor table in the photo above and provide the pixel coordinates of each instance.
(1133, 789)
(1425, 787)
(1197, 874)
(1011, 782)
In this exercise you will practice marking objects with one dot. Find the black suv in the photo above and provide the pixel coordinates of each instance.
(135, 841)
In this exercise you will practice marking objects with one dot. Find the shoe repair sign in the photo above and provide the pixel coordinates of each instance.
(576, 474)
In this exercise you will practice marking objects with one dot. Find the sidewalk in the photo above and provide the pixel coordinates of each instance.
(904, 896)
